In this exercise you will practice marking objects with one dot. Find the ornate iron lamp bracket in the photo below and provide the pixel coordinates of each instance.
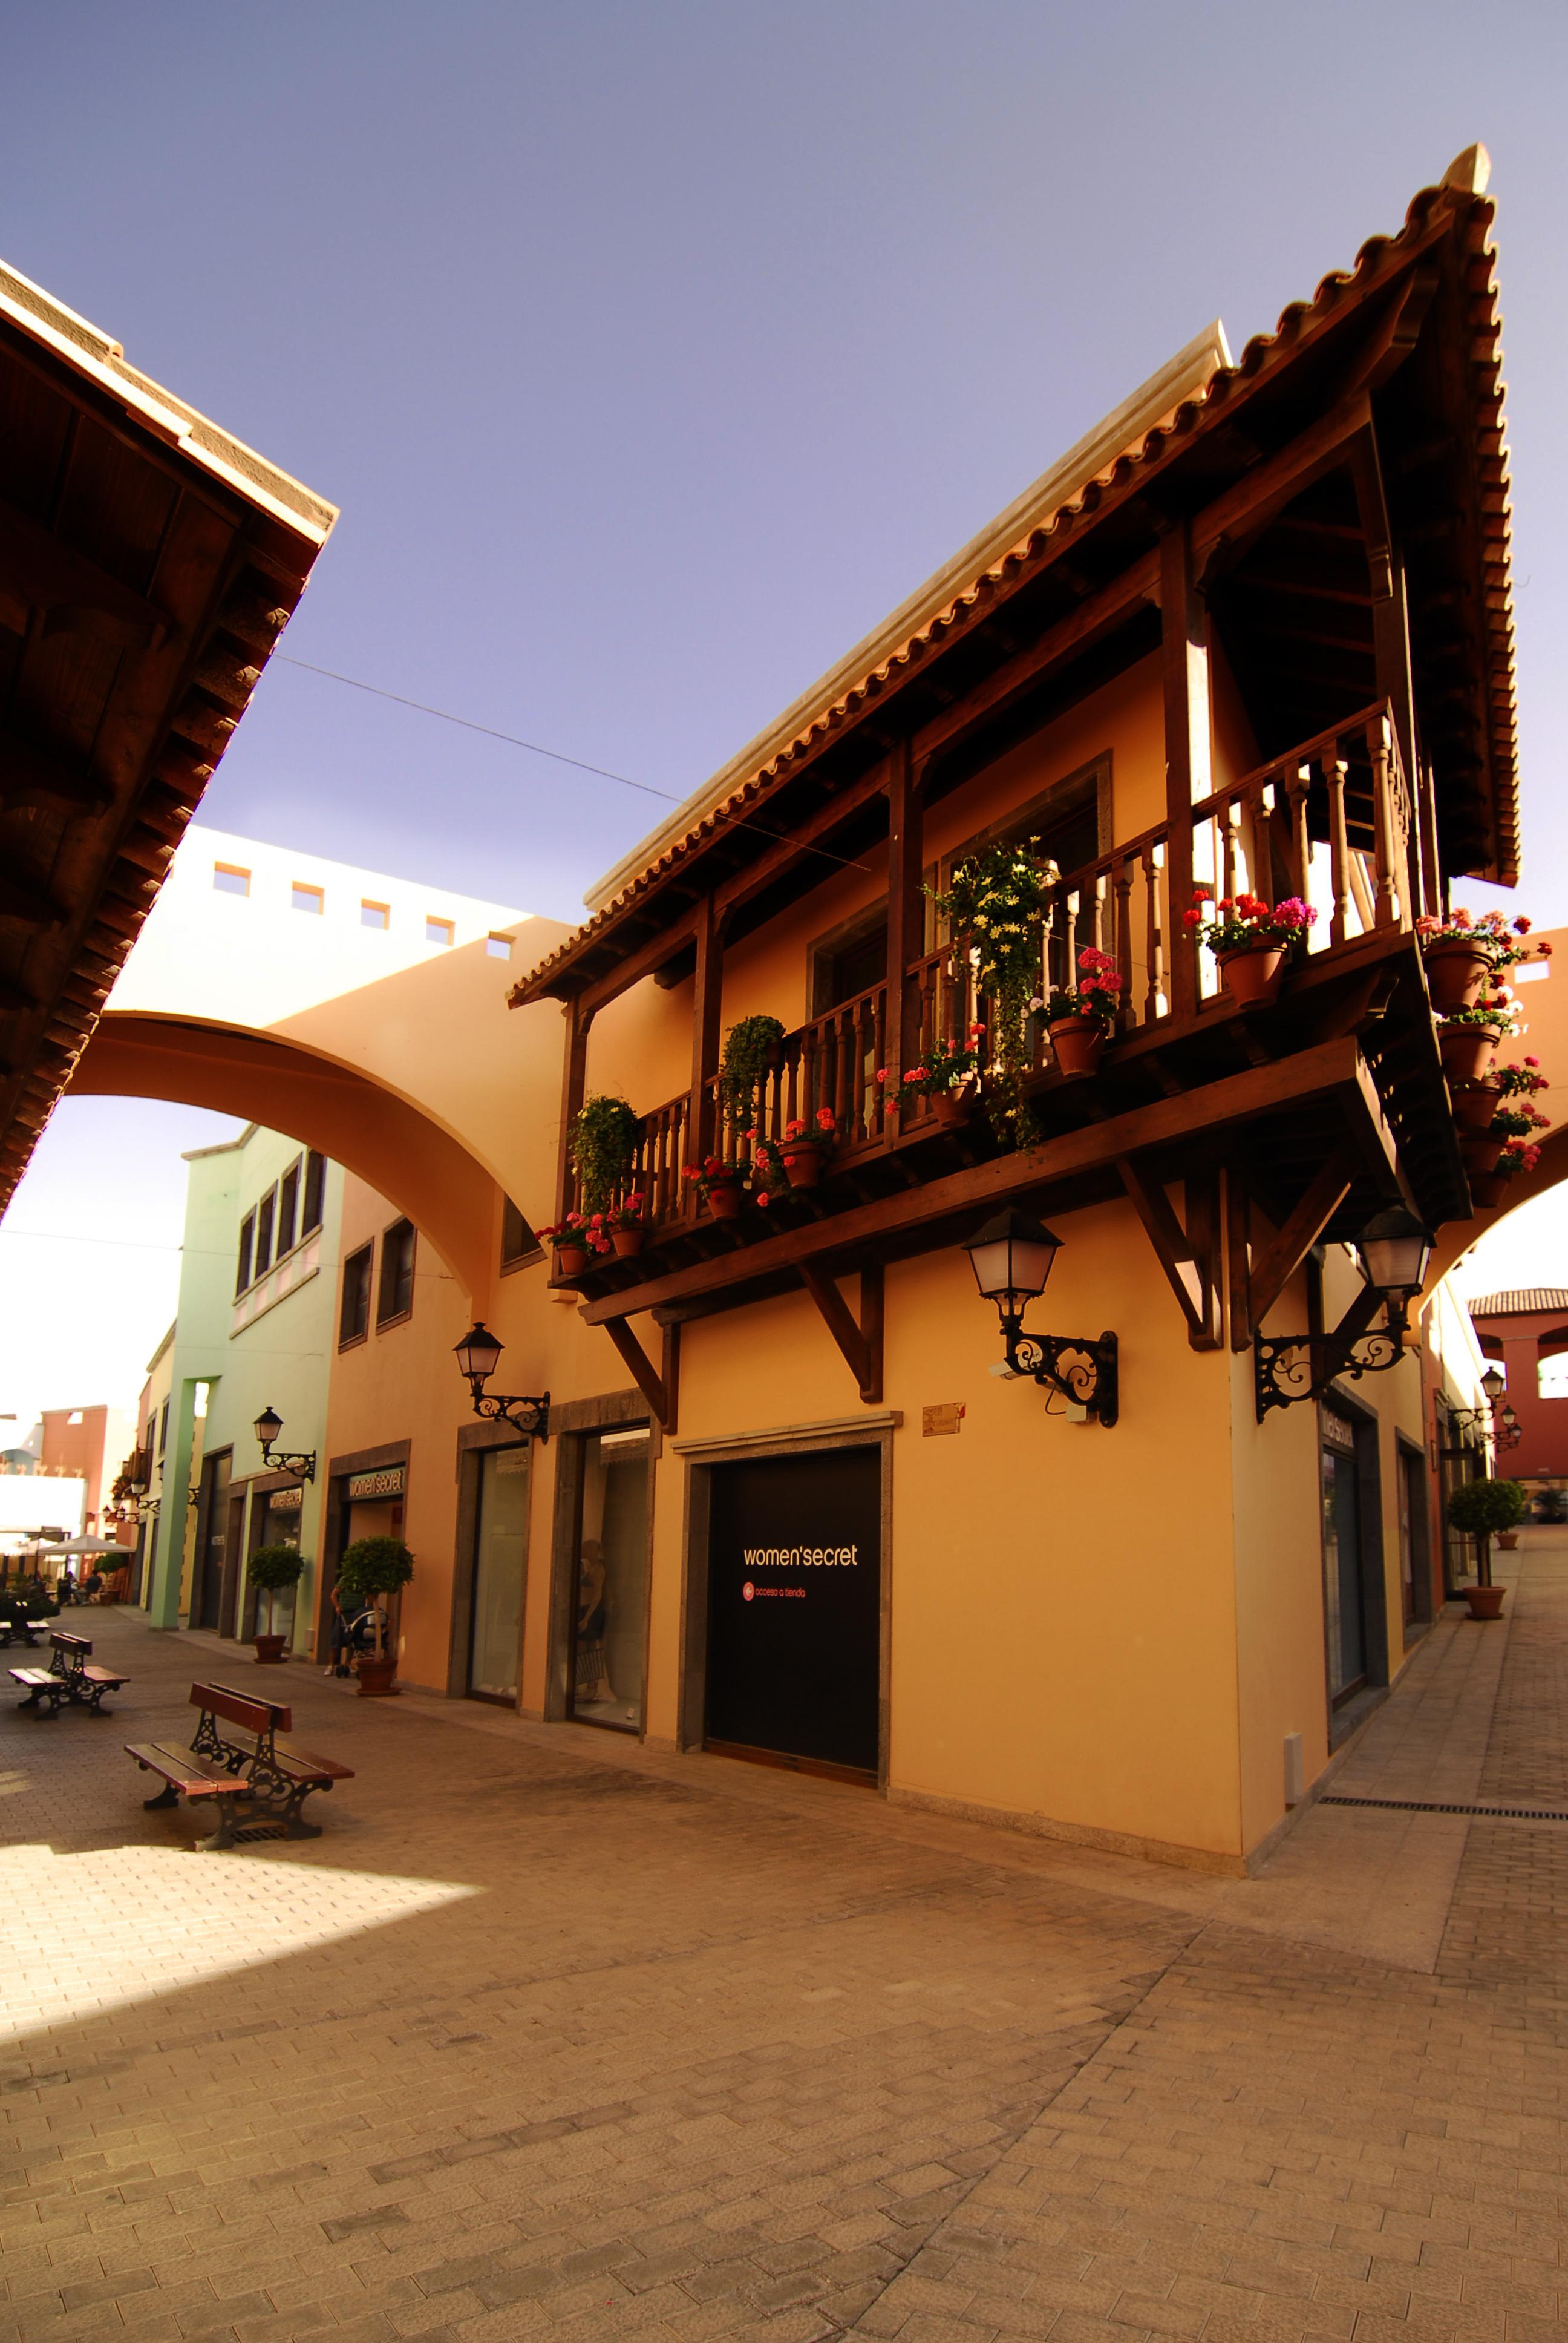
(531, 1417)
(1081, 1367)
(302, 1467)
(1303, 1366)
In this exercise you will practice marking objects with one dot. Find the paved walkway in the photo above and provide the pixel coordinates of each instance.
(551, 2036)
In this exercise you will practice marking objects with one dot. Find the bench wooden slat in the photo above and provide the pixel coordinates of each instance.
(302, 1763)
(34, 1675)
(233, 1707)
(282, 1716)
(187, 1769)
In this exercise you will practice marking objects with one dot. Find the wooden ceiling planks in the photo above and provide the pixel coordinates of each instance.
(147, 563)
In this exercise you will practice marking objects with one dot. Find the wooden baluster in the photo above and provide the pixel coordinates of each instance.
(1098, 927)
(1227, 851)
(843, 1053)
(811, 1045)
(1150, 944)
(874, 1090)
(1338, 850)
(1298, 791)
(1122, 883)
(1069, 943)
(1385, 909)
(1260, 859)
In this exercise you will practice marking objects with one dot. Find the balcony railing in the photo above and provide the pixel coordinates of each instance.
(1330, 822)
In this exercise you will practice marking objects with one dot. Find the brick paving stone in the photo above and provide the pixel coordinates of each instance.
(549, 2036)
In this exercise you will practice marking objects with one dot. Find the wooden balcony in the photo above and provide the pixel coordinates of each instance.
(1340, 1074)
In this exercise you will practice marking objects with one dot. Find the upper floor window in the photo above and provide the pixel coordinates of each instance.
(315, 1187)
(498, 947)
(354, 1316)
(375, 915)
(287, 1209)
(246, 1252)
(230, 879)
(395, 1298)
(518, 1241)
(264, 1213)
(439, 930)
(305, 898)
(164, 1428)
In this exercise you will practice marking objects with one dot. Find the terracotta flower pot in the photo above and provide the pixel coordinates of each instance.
(1487, 1189)
(1485, 1602)
(1480, 1151)
(1467, 1050)
(1508, 1540)
(724, 1200)
(804, 1168)
(269, 1650)
(953, 1108)
(1076, 1043)
(1251, 975)
(376, 1675)
(1455, 971)
(1475, 1103)
(628, 1241)
(570, 1261)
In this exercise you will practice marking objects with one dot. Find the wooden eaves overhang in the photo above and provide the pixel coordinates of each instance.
(1400, 355)
(148, 562)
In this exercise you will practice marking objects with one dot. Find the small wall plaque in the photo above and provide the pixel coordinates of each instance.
(946, 1416)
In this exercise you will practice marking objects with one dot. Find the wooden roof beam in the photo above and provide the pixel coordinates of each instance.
(27, 774)
(76, 593)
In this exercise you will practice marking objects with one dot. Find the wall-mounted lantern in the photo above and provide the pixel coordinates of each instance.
(1494, 1388)
(269, 1431)
(1011, 1258)
(1395, 1250)
(479, 1355)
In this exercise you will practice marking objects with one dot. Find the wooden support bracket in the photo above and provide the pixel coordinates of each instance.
(660, 1391)
(1300, 1232)
(1188, 1265)
(860, 1341)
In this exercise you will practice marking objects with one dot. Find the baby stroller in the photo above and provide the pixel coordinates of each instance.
(357, 1637)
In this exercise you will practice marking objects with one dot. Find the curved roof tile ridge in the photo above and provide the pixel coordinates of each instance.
(1466, 180)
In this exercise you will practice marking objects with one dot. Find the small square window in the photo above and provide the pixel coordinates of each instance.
(375, 915)
(306, 899)
(498, 947)
(230, 879)
(438, 930)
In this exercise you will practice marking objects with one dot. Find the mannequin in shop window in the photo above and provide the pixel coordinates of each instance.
(590, 1622)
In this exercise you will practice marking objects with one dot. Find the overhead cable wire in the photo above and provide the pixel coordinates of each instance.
(536, 749)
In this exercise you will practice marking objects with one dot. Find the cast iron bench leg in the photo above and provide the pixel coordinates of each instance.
(167, 1797)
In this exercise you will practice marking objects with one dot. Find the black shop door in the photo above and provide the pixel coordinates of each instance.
(794, 1607)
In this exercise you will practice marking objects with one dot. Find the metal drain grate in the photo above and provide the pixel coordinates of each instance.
(1434, 1807)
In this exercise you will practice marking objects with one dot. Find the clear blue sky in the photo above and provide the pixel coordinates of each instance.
(654, 352)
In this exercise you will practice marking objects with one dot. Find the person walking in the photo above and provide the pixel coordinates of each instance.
(342, 1634)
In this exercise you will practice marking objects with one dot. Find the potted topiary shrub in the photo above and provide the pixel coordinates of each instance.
(373, 1568)
(272, 1568)
(1482, 1509)
(604, 1134)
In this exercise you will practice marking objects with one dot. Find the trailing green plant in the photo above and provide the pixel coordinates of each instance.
(604, 1133)
(750, 1047)
(374, 1567)
(1481, 1508)
(995, 905)
(272, 1568)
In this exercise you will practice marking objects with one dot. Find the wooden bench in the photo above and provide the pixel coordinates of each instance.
(69, 1679)
(256, 1786)
(16, 1623)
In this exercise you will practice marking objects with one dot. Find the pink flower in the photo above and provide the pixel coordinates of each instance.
(881, 1073)
(1522, 925)
(763, 1201)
